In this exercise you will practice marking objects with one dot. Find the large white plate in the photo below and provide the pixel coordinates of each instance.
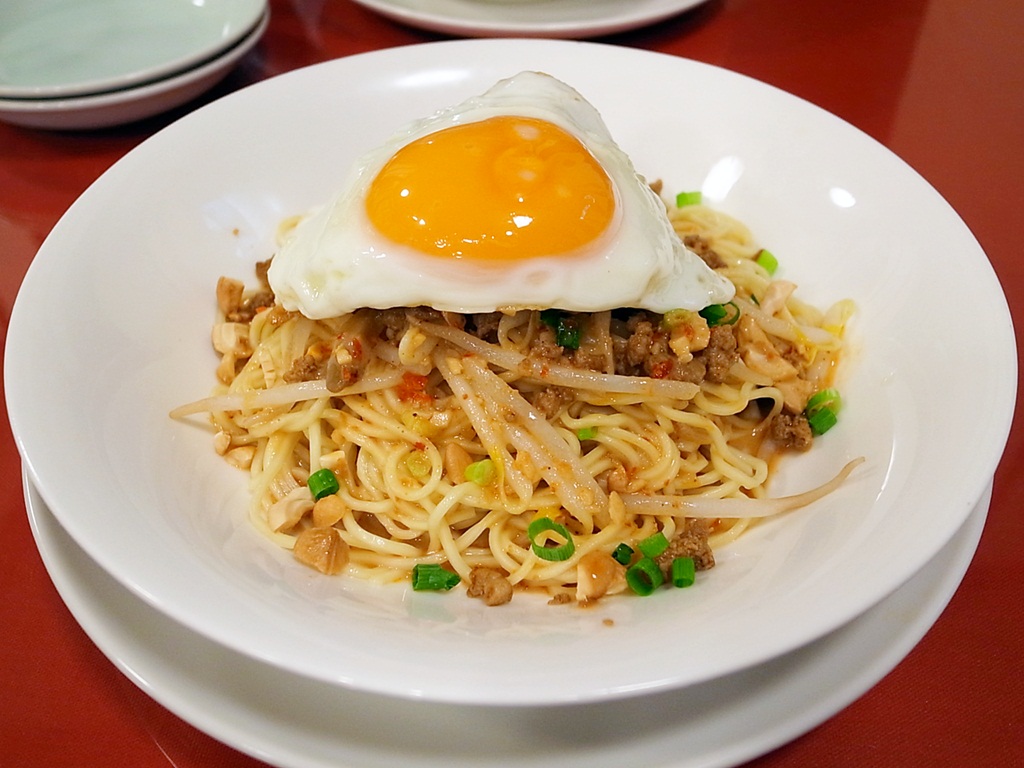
(111, 330)
(291, 721)
(64, 48)
(530, 18)
(103, 110)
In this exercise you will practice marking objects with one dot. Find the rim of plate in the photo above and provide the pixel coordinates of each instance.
(528, 18)
(152, 504)
(128, 104)
(719, 724)
(59, 49)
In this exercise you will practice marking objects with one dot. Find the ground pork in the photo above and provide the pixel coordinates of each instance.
(545, 345)
(549, 401)
(305, 368)
(793, 431)
(690, 541)
(703, 248)
(720, 354)
(490, 585)
(249, 306)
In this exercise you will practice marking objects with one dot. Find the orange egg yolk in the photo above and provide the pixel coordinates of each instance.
(501, 189)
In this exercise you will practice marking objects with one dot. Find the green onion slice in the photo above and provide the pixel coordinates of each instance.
(684, 199)
(568, 329)
(721, 314)
(418, 463)
(644, 576)
(586, 433)
(431, 576)
(480, 472)
(569, 335)
(822, 421)
(322, 483)
(623, 554)
(767, 260)
(543, 525)
(822, 410)
(675, 317)
(683, 572)
(826, 398)
(653, 545)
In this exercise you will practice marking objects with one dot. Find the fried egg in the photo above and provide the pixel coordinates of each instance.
(518, 198)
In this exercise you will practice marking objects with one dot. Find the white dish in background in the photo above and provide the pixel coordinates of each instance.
(119, 107)
(530, 18)
(65, 48)
(294, 722)
(152, 503)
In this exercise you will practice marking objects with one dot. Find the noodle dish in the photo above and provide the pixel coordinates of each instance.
(510, 372)
(497, 358)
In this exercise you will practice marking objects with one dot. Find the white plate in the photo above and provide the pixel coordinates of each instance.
(530, 18)
(124, 106)
(64, 48)
(291, 721)
(128, 274)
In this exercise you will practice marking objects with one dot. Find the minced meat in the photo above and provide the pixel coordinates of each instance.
(793, 431)
(690, 541)
(490, 585)
(721, 353)
(703, 248)
(305, 368)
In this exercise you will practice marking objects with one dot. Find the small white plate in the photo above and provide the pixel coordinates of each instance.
(128, 275)
(530, 18)
(290, 721)
(124, 106)
(65, 48)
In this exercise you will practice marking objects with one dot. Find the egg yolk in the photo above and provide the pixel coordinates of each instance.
(501, 189)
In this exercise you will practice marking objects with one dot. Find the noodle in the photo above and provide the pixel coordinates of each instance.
(612, 446)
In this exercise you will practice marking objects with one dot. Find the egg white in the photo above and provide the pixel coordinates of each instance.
(335, 261)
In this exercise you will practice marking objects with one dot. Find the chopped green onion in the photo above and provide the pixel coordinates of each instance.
(431, 576)
(644, 576)
(568, 328)
(550, 317)
(653, 545)
(767, 260)
(586, 433)
(623, 554)
(825, 398)
(569, 335)
(683, 572)
(676, 317)
(418, 463)
(543, 525)
(322, 483)
(480, 472)
(688, 198)
(721, 314)
(822, 410)
(822, 421)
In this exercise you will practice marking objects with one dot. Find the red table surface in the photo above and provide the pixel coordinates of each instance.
(940, 82)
